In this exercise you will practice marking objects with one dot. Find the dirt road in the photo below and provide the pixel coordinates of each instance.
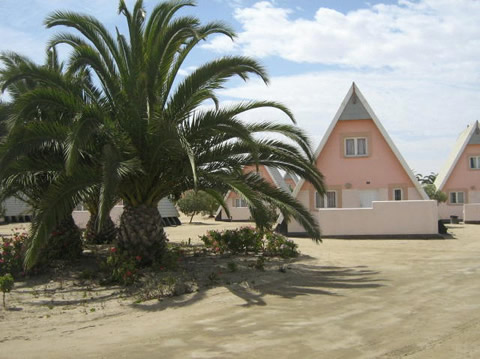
(342, 299)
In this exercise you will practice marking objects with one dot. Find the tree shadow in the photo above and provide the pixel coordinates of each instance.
(299, 279)
(282, 278)
(304, 279)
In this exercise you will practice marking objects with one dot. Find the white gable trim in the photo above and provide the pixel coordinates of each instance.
(354, 90)
(454, 156)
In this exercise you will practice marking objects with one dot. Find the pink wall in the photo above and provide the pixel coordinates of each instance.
(262, 171)
(463, 179)
(291, 183)
(384, 218)
(381, 167)
(462, 176)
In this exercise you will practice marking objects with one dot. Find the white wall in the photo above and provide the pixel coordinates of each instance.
(384, 218)
(16, 207)
(471, 212)
(165, 207)
(81, 217)
(447, 210)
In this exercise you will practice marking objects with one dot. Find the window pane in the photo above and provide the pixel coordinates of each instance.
(398, 194)
(319, 201)
(453, 197)
(331, 199)
(460, 198)
(361, 146)
(350, 147)
(475, 162)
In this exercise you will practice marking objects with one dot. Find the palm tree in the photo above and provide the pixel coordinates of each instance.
(27, 171)
(33, 157)
(156, 139)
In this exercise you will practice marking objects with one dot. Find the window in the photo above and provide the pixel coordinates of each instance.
(397, 194)
(239, 203)
(356, 147)
(457, 197)
(474, 162)
(329, 200)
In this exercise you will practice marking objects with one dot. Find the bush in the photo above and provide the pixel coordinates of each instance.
(64, 243)
(281, 246)
(249, 240)
(435, 194)
(6, 285)
(11, 254)
(235, 241)
(122, 268)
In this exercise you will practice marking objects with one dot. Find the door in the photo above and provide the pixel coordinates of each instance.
(367, 197)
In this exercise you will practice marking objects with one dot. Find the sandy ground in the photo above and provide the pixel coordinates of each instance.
(341, 299)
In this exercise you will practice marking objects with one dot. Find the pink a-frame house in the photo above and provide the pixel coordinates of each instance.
(460, 176)
(238, 206)
(362, 166)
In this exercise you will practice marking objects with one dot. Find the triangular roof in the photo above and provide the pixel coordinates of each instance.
(355, 107)
(277, 179)
(470, 136)
(291, 176)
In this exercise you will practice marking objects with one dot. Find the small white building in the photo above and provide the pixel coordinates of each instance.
(167, 210)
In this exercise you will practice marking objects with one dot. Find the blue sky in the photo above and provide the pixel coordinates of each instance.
(416, 62)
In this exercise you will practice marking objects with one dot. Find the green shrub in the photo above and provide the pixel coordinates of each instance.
(249, 240)
(6, 285)
(122, 268)
(281, 246)
(64, 243)
(235, 241)
(11, 254)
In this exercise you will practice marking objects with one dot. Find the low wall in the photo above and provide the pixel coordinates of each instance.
(385, 218)
(81, 217)
(446, 210)
(471, 213)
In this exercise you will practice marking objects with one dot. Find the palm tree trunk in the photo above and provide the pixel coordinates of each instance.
(141, 232)
(106, 235)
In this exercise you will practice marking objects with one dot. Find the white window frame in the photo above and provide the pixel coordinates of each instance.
(325, 200)
(240, 203)
(450, 197)
(401, 194)
(476, 160)
(355, 146)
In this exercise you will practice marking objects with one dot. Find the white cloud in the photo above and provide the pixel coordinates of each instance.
(417, 63)
(186, 71)
(408, 35)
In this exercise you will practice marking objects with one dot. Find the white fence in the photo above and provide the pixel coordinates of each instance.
(471, 213)
(385, 218)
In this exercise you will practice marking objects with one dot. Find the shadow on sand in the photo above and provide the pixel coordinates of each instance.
(299, 279)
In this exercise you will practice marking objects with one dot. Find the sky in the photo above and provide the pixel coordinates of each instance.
(417, 62)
